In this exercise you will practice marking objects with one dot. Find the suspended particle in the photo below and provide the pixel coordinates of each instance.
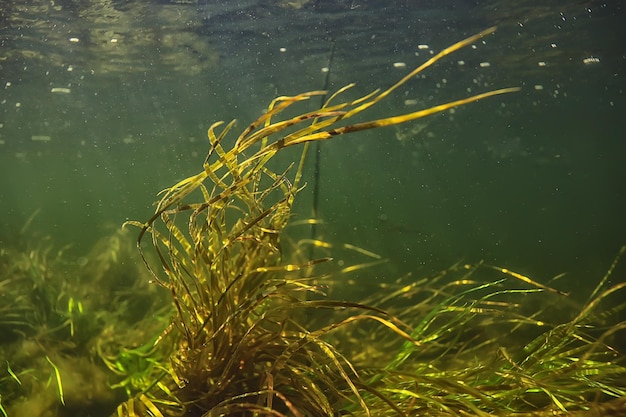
(591, 60)
(40, 138)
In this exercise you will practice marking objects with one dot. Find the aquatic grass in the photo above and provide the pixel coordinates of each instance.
(253, 335)
(563, 370)
(239, 348)
(55, 309)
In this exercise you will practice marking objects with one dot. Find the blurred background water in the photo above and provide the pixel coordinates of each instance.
(103, 103)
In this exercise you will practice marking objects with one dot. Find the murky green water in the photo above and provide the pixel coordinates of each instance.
(106, 103)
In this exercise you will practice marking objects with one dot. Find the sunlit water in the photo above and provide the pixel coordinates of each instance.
(104, 104)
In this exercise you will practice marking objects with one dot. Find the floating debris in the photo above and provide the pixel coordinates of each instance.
(41, 138)
(591, 60)
(399, 65)
(485, 64)
(60, 90)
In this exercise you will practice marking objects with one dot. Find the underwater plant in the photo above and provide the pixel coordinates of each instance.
(242, 343)
(248, 329)
(254, 335)
(61, 315)
(239, 348)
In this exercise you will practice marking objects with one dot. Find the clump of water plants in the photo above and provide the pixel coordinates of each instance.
(59, 314)
(231, 318)
(253, 334)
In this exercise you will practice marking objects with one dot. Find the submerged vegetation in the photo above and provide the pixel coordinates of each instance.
(249, 330)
